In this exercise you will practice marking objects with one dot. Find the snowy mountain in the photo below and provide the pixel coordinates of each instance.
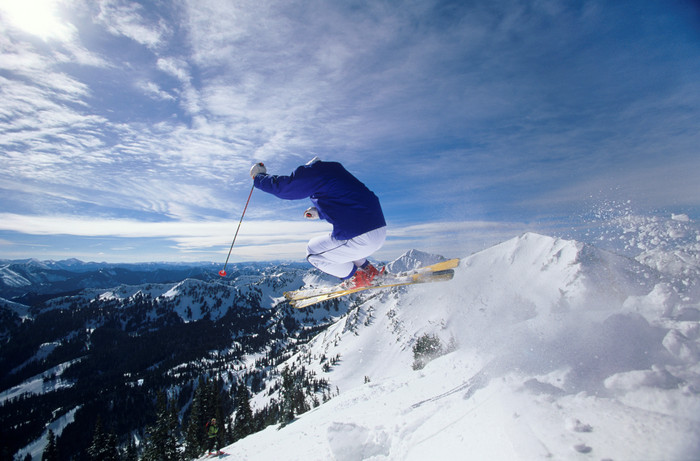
(549, 349)
(413, 259)
(31, 281)
(76, 356)
(563, 351)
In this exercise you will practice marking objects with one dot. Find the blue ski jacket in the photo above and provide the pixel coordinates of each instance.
(341, 199)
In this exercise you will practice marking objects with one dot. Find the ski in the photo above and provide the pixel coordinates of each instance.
(386, 278)
(313, 292)
(385, 282)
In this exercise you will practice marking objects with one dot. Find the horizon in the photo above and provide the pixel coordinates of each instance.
(271, 261)
(622, 233)
(128, 128)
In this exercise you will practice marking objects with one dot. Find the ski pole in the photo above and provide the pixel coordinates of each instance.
(222, 272)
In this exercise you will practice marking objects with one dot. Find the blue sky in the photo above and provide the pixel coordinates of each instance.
(127, 129)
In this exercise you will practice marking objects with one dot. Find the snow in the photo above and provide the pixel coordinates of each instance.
(433, 414)
(43, 383)
(412, 260)
(21, 310)
(564, 351)
(173, 292)
(12, 278)
(36, 448)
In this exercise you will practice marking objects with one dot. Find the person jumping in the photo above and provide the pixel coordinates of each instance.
(354, 211)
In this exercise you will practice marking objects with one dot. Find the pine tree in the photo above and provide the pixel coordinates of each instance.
(243, 424)
(287, 392)
(162, 443)
(216, 409)
(426, 348)
(131, 451)
(51, 451)
(104, 446)
(194, 437)
(293, 399)
(112, 452)
(99, 443)
(207, 404)
(173, 423)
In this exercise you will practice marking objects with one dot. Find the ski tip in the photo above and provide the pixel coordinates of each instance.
(437, 276)
(293, 302)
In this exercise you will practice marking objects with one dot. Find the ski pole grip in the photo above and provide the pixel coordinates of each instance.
(257, 169)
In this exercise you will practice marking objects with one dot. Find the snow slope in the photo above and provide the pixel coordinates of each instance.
(43, 383)
(563, 351)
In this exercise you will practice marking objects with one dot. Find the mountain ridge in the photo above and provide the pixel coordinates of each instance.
(546, 333)
(535, 316)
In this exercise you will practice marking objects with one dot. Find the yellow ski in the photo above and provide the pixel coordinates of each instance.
(441, 271)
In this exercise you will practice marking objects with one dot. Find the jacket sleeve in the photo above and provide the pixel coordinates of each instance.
(302, 183)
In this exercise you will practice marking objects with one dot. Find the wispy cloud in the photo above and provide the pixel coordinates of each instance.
(121, 17)
(261, 239)
(221, 230)
(503, 112)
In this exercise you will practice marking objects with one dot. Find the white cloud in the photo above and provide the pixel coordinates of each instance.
(124, 18)
(262, 239)
(175, 67)
(153, 90)
(77, 53)
(39, 70)
(258, 231)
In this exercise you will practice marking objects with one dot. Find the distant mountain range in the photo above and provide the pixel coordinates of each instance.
(31, 281)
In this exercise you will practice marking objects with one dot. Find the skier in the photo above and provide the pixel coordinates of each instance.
(213, 435)
(359, 228)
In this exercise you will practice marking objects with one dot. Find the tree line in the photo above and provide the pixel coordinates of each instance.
(172, 437)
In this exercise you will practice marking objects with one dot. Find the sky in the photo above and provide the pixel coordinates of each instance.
(127, 129)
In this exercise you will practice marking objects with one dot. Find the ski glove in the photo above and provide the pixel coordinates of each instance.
(257, 169)
(311, 213)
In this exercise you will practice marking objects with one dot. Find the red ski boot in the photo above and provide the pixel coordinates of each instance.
(363, 277)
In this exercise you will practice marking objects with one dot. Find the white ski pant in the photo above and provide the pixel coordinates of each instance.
(340, 257)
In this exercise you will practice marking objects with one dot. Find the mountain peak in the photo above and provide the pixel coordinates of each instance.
(413, 259)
